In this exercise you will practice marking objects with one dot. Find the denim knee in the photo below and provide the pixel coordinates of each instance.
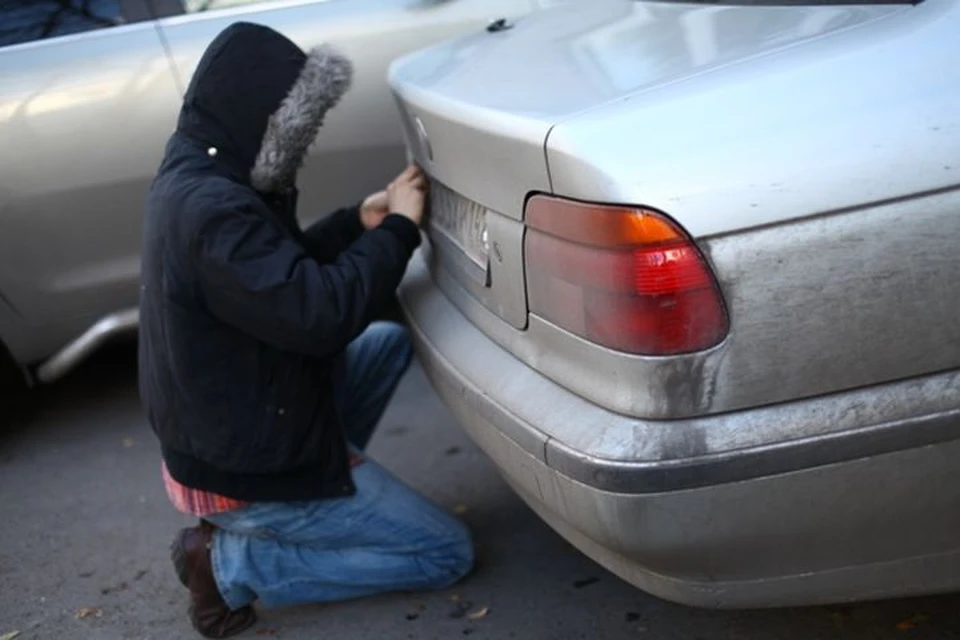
(464, 558)
(451, 560)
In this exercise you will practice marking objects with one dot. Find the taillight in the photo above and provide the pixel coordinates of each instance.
(625, 278)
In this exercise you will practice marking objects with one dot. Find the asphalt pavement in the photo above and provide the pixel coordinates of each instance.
(85, 526)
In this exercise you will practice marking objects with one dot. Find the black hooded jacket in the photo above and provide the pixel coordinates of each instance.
(244, 317)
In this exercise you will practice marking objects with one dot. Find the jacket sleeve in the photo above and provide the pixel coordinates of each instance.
(255, 276)
(325, 239)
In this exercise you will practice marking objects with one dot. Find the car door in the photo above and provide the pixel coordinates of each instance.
(85, 95)
(360, 147)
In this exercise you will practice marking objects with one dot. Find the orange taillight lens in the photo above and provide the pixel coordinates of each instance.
(626, 278)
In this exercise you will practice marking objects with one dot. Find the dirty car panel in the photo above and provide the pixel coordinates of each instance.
(821, 419)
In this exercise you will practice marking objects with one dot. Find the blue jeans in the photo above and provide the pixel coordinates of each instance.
(386, 537)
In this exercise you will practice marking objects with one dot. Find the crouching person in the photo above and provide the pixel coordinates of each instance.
(261, 370)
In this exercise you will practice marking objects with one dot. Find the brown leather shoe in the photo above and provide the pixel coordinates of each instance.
(208, 612)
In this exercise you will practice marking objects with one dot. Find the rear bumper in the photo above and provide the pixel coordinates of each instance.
(723, 511)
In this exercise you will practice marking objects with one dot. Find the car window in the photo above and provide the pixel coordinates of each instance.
(28, 20)
(196, 6)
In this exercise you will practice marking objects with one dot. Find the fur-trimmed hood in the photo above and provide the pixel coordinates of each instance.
(257, 101)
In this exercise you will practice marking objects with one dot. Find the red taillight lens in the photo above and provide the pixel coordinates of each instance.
(625, 278)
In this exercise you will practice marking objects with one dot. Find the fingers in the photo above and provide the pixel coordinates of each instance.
(411, 174)
(407, 192)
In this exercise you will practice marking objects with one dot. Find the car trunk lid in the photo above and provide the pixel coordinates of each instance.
(476, 111)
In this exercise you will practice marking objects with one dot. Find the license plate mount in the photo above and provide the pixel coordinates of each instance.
(458, 228)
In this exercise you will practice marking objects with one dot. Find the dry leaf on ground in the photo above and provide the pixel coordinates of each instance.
(87, 612)
(460, 607)
(10, 635)
(911, 623)
(906, 625)
(479, 613)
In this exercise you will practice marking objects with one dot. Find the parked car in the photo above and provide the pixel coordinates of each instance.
(693, 285)
(89, 93)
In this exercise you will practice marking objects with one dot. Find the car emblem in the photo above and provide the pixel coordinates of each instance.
(422, 138)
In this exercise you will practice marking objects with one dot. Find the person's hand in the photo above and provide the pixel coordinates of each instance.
(406, 195)
(374, 209)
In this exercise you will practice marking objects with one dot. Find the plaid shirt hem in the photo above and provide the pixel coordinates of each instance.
(200, 504)
(195, 502)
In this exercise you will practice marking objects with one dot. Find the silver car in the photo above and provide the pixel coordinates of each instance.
(89, 93)
(694, 286)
